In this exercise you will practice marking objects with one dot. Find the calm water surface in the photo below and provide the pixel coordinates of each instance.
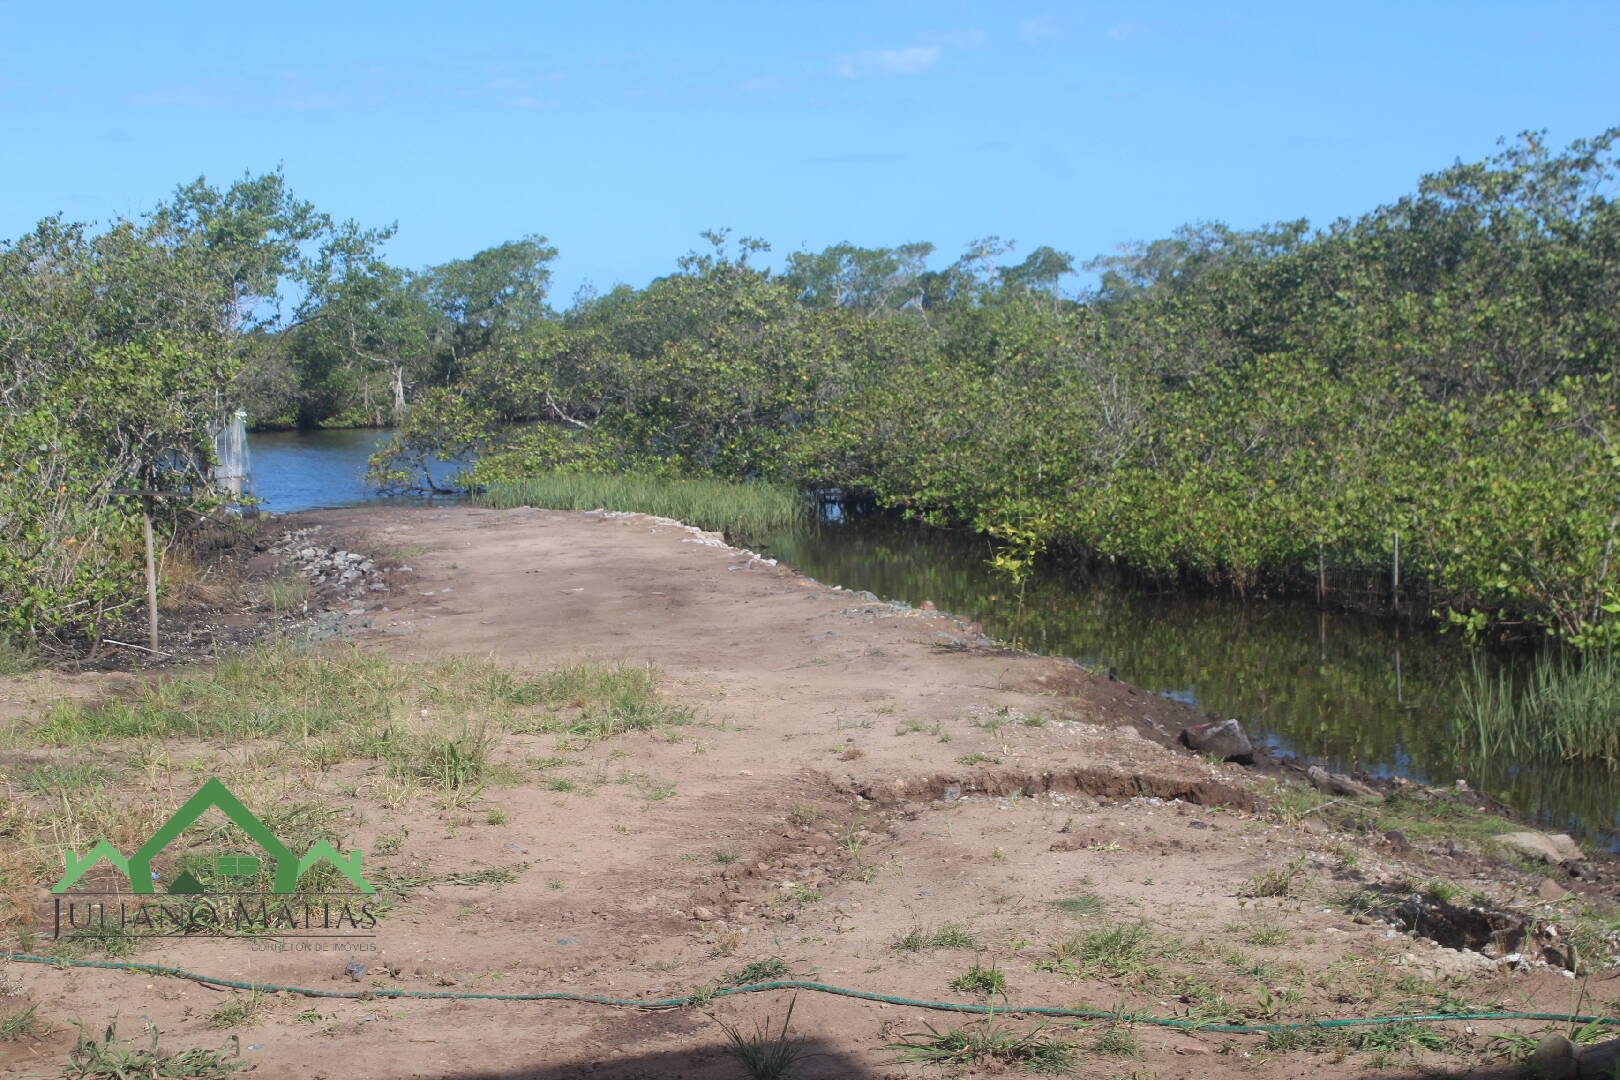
(311, 470)
(1352, 691)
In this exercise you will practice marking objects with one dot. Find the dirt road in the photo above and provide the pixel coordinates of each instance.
(855, 773)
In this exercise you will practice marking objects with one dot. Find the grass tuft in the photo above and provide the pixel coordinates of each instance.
(763, 1055)
(1563, 707)
(984, 981)
(949, 935)
(1086, 903)
(110, 1058)
(985, 1044)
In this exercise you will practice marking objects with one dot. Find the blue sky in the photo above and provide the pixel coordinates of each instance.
(621, 129)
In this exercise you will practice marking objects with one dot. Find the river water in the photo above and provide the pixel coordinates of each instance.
(1352, 691)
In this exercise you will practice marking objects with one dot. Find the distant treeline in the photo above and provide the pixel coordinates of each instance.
(1234, 408)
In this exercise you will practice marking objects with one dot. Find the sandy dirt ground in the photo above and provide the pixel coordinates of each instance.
(855, 772)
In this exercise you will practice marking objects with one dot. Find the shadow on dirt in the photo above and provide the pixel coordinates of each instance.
(818, 1060)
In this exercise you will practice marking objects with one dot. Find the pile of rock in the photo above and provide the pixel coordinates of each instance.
(333, 573)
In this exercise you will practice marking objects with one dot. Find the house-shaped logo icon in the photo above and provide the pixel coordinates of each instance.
(289, 867)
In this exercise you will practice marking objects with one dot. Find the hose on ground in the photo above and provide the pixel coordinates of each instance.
(796, 984)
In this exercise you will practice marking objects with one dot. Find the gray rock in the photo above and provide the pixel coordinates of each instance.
(1556, 1058)
(1548, 848)
(1600, 1060)
(1339, 784)
(354, 969)
(1224, 739)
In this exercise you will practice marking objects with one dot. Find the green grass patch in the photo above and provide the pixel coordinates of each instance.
(340, 703)
(771, 969)
(16, 659)
(240, 1009)
(716, 505)
(111, 1058)
(983, 981)
(23, 1023)
(1116, 951)
(987, 1043)
(947, 936)
(286, 592)
(1086, 903)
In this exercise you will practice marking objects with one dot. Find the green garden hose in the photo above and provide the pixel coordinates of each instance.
(794, 984)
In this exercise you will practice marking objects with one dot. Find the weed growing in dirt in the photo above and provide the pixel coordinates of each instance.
(803, 814)
(1117, 1042)
(22, 1024)
(286, 592)
(948, 936)
(1086, 903)
(458, 764)
(110, 1058)
(109, 942)
(978, 759)
(1261, 930)
(64, 778)
(984, 981)
(1279, 881)
(1404, 1037)
(1292, 1040)
(985, 1043)
(1118, 951)
(770, 969)
(239, 1009)
(802, 894)
(1361, 901)
(763, 1055)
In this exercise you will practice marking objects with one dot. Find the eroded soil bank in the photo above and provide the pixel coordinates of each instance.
(866, 796)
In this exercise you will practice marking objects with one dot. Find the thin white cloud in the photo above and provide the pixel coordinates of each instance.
(1043, 28)
(957, 39)
(762, 85)
(913, 61)
(1126, 31)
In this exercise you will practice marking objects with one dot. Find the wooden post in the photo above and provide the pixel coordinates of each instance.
(146, 496)
(1321, 577)
(151, 575)
(1395, 577)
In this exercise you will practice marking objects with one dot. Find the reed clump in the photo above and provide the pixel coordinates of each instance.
(1563, 706)
(715, 505)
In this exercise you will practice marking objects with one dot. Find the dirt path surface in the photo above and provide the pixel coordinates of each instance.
(854, 772)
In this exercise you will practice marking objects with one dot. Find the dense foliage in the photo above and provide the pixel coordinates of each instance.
(121, 353)
(1261, 410)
